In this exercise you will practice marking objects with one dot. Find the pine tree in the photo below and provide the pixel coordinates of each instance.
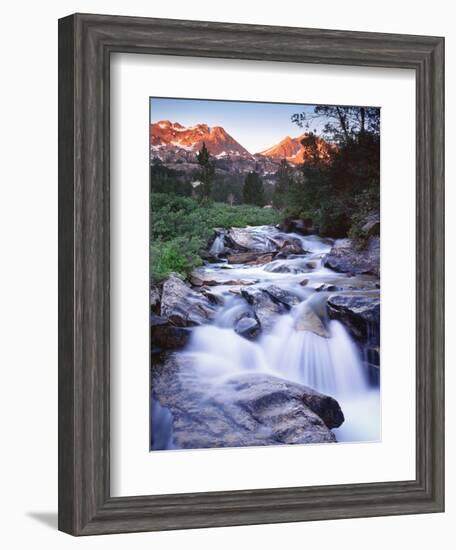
(253, 192)
(207, 171)
(282, 187)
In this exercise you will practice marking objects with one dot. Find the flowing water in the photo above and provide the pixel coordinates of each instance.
(331, 364)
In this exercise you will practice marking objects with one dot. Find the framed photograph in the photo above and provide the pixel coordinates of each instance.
(251, 264)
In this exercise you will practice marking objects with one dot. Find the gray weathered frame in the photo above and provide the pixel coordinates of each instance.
(85, 45)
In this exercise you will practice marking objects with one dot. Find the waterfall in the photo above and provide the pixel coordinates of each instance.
(330, 365)
(324, 358)
(218, 245)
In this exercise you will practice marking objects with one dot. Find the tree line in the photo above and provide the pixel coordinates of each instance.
(234, 189)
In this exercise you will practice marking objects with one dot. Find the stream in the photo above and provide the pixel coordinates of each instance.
(298, 342)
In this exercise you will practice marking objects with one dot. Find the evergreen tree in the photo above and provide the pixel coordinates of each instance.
(207, 171)
(282, 187)
(253, 192)
(338, 193)
(165, 180)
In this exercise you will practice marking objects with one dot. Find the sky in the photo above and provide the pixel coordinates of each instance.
(256, 126)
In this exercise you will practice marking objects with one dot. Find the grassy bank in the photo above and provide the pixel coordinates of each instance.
(181, 226)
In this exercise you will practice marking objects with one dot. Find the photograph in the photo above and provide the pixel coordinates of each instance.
(264, 274)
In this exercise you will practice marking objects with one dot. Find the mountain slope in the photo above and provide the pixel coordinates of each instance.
(167, 135)
(294, 151)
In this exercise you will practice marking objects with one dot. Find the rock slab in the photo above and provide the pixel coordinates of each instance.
(246, 410)
(345, 258)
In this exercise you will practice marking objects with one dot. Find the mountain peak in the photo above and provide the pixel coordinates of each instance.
(218, 142)
(294, 151)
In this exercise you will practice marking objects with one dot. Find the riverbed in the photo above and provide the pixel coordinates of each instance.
(268, 317)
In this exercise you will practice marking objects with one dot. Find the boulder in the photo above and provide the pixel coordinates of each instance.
(246, 410)
(289, 246)
(288, 250)
(266, 309)
(360, 313)
(248, 327)
(252, 258)
(281, 295)
(307, 319)
(344, 257)
(250, 240)
(182, 306)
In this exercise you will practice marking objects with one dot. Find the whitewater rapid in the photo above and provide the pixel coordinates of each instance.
(331, 364)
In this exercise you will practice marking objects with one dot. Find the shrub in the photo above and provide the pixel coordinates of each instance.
(180, 227)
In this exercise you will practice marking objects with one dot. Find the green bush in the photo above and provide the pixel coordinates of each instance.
(181, 226)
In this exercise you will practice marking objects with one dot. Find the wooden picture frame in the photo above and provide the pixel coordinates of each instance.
(85, 45)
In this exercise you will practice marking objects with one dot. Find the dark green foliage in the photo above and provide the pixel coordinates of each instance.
(253, 192)
(228, 188)
(207, 171)
(180, 227)
(338, 194)
(165, 180)
(284, 180)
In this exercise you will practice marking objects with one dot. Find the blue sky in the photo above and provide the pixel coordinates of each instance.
(256, 126)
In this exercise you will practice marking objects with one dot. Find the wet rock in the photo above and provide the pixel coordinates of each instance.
(215, 299)
(200, 278)
(247, 410)
(155, 298)
(360, 313)
(345, 258)
(286, 251)
(289, 266)
(207, 256)
(169, 337)
(251, 258)
(182, 306)
(249, 239)
(307, 319)
(290, 246)
(235, 291)
(266, 309)
(248, 327)
(283, 296)
(263, 394)
(322, 287)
